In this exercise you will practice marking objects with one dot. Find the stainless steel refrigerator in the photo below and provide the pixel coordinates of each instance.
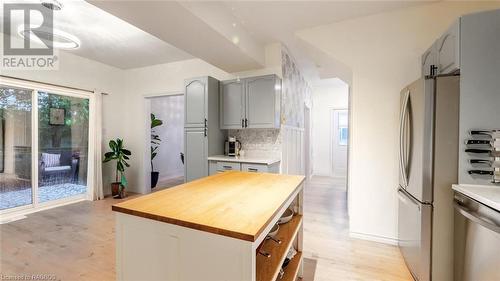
(428, 162)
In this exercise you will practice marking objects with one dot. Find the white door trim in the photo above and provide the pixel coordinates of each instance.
(146, 170)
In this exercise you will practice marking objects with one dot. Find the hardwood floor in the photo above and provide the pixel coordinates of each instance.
(73, 242)
(76, 242)
(168, 183)
(327, 245)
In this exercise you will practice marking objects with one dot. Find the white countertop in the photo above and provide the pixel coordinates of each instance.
(245, 159)
(487, 194)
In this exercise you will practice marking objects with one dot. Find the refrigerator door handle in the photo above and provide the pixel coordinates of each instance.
(402, 152)
(476, 218)
(405, 199)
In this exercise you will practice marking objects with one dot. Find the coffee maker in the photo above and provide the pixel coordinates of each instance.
(232, 147)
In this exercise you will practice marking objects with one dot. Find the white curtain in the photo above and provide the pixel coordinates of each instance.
(97, 141)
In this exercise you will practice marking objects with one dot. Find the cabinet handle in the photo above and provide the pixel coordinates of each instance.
(205, 131)
(252, 170)
(246, 123)
(433, 70)
(243, 123)
(206, 122)
(227, 167)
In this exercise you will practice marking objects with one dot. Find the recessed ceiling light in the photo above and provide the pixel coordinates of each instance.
(60, 39)
(52, 4)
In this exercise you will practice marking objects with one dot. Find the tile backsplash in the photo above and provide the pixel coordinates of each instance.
(259, 141)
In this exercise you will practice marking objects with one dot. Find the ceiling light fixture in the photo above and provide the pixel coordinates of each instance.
(60, 39)
(52, 4)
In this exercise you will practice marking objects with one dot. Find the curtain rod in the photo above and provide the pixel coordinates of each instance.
(50, 84)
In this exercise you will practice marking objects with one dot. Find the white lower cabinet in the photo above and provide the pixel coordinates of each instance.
(215, 167)
(260, 168)
(228, 166)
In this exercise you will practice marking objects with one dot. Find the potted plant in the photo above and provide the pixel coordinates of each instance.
(155, 144)
(119, 154)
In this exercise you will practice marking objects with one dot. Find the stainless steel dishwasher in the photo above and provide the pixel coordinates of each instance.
(477, 240)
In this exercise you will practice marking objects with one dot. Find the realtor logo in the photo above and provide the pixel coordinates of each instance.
(28, 37)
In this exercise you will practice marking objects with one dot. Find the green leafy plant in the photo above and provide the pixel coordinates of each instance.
(119, 154)
(155, 138)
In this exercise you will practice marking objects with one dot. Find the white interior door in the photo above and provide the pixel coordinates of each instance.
(339, 143)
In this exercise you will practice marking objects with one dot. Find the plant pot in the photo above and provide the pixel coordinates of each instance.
(154, 179)
(115, 189)
(118, 191)
(122, 193)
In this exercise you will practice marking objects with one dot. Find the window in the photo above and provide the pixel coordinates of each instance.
(343, 127)
(343, 135)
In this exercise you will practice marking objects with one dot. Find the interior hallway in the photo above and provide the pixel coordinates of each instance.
(328, 247)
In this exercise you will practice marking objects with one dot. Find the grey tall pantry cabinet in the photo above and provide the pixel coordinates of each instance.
(202, 134)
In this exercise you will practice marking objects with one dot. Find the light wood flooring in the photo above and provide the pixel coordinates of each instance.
(330, 253)
(168, 183)
(76, 242)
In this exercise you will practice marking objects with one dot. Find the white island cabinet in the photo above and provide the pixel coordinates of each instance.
(213, 228)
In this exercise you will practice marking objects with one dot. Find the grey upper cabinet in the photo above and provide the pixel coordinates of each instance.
(262, 104)
(253, 102)
(195, 102)
(232, 99)
(429, 60)
(444, 54)
(448, 49)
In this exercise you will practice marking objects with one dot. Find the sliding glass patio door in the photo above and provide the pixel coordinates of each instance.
(16, 106)
(44, 147)
(63, 144)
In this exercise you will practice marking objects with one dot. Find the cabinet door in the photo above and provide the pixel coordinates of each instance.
(195, 103)
(195, 155)
(228, 166)
(254, 168)
(232, 99)
(449, 50)
(429, 58)
(261, 102)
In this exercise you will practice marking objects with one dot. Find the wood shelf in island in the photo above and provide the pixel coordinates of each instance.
(268, 268)
(292, 270)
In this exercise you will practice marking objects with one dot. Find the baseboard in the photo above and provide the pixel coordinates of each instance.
(12, 218)
(374, 238)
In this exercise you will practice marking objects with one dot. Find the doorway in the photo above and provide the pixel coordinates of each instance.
(167, 140)
(44, 146)
(339, 142)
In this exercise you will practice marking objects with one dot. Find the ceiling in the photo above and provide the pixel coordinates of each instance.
(228, 34)
(269, 21)
(108, 39)
(277, 21)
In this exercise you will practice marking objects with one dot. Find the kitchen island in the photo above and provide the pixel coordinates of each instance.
(213, 228)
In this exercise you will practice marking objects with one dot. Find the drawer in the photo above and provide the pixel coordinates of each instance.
(256, 168)
(228, 166)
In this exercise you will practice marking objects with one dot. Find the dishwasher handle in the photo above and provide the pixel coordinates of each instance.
(472, 216)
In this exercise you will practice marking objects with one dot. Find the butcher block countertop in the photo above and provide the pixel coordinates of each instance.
(235, 204)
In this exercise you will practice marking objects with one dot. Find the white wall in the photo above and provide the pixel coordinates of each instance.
(169, 109)
(383, 52)
(325, 99)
